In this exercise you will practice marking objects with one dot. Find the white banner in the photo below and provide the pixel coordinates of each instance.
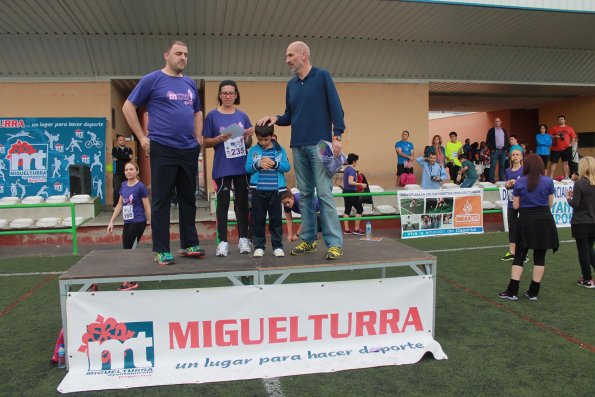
(440, 212)
(149, 338)
(561, 211)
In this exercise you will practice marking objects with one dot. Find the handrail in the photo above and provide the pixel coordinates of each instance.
(70, 230)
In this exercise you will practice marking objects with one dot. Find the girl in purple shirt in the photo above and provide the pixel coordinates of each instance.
(533, 196)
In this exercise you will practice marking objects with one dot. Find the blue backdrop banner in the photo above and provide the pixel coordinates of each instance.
(35, 154)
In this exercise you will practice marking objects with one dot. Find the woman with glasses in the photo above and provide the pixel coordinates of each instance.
(229, 131)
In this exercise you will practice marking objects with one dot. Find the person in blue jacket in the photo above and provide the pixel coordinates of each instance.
(266, 163)
(543, 142)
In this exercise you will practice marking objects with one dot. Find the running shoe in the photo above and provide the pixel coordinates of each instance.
(258, 253)
(359, 232)
(348, 231)
(585, 283)
(192, 252)
(304, 248)
(127, 286)
(278, 252)
(164, 258)
(93, 287)
(507, 257)
(222, 249)
(334, 253)
(508, 295)
(244, 245)
(531, 298)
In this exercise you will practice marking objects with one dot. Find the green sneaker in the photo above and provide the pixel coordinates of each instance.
(304, 248)
(164, 258)
(507, 257)
(192, 252)
(334, 253)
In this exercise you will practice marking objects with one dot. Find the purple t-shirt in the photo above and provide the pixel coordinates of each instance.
(508, 175)
(539, 197)
(296, 204)
(347, 172)
(133, 210)
(171, 104)
(230, 156)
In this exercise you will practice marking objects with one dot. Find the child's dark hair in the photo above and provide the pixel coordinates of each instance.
(462, 156)
(264, 131)
(286, 194)
(352, 158)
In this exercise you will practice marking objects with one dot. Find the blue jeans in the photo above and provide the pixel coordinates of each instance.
(497, 156)
(310, 174)
(468, 182)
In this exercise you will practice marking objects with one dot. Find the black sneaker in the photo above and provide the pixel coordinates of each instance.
(507, 257)
(508, 295)
(531, 298)
(585, 283)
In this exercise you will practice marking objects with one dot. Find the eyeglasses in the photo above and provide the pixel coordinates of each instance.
(229, 93)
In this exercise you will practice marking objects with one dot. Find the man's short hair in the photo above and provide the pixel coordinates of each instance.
(264, 131)
(453, 133)
(173, 43)
(118, 136)
(562, 117)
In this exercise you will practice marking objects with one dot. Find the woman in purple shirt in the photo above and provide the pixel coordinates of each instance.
(229, 162)
(533, 196)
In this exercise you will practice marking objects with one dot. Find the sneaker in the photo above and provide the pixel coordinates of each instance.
(508, 295)
(526, 259)
(244, 246)
(359, 232)
(222, 249)
(531, 298)
(585, 283)
(127, 286)
(192, 252)
(92, 288)
(304, 248)
(164, 258)
(258, 253)
(507, 257)
(334, 253)
(278, 252)
(348, 231)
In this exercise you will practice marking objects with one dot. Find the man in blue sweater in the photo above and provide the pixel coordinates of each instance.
(313, 109)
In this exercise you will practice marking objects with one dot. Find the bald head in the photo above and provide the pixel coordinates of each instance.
(298, 58)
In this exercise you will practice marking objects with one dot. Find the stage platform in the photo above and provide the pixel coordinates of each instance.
(117, 265)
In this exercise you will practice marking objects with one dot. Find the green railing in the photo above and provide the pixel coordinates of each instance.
(373, 217)
(70, 230)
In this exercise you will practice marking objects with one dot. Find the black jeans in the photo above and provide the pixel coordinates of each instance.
(264, 202)
(240, 204)
(173, 168)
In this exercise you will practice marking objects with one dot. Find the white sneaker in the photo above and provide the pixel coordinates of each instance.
(244, 246)
(258, 253)
(278, 252)
(222, 249)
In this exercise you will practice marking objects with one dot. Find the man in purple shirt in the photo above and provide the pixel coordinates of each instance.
(175, 128)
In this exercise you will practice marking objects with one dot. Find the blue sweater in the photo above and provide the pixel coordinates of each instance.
(312, 108)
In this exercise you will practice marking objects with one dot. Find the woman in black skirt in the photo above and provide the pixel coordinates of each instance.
(582, 200)
(533, 196)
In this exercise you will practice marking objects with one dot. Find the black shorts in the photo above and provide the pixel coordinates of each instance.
(565, 155)
(401, 169)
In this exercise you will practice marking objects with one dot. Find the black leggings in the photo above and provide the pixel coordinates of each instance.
(586, 255)
(132, 233)
(521, 254)
(239, 183)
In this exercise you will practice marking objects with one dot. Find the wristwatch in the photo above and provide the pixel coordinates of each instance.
(337, 138)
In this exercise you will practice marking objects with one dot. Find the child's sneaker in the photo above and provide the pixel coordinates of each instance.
(164, 258)
(508, 295)
(359, 232)
(222, 249)
(585, 283)
(258, 253)
(531, 298)
(244, 245)
(278, 252)
(348, 231)
(192, 252)
(127, 286)
(304, 248)
(507, 257)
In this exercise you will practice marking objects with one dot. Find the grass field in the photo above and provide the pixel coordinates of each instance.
(495, 347)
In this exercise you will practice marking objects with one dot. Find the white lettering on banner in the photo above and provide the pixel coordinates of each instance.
(232, 333)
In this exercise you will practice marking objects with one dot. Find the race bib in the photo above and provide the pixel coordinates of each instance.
(235, 147)
(509, 191)
(127, 212)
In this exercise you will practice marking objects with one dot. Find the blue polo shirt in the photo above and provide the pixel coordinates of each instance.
(312, 108)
